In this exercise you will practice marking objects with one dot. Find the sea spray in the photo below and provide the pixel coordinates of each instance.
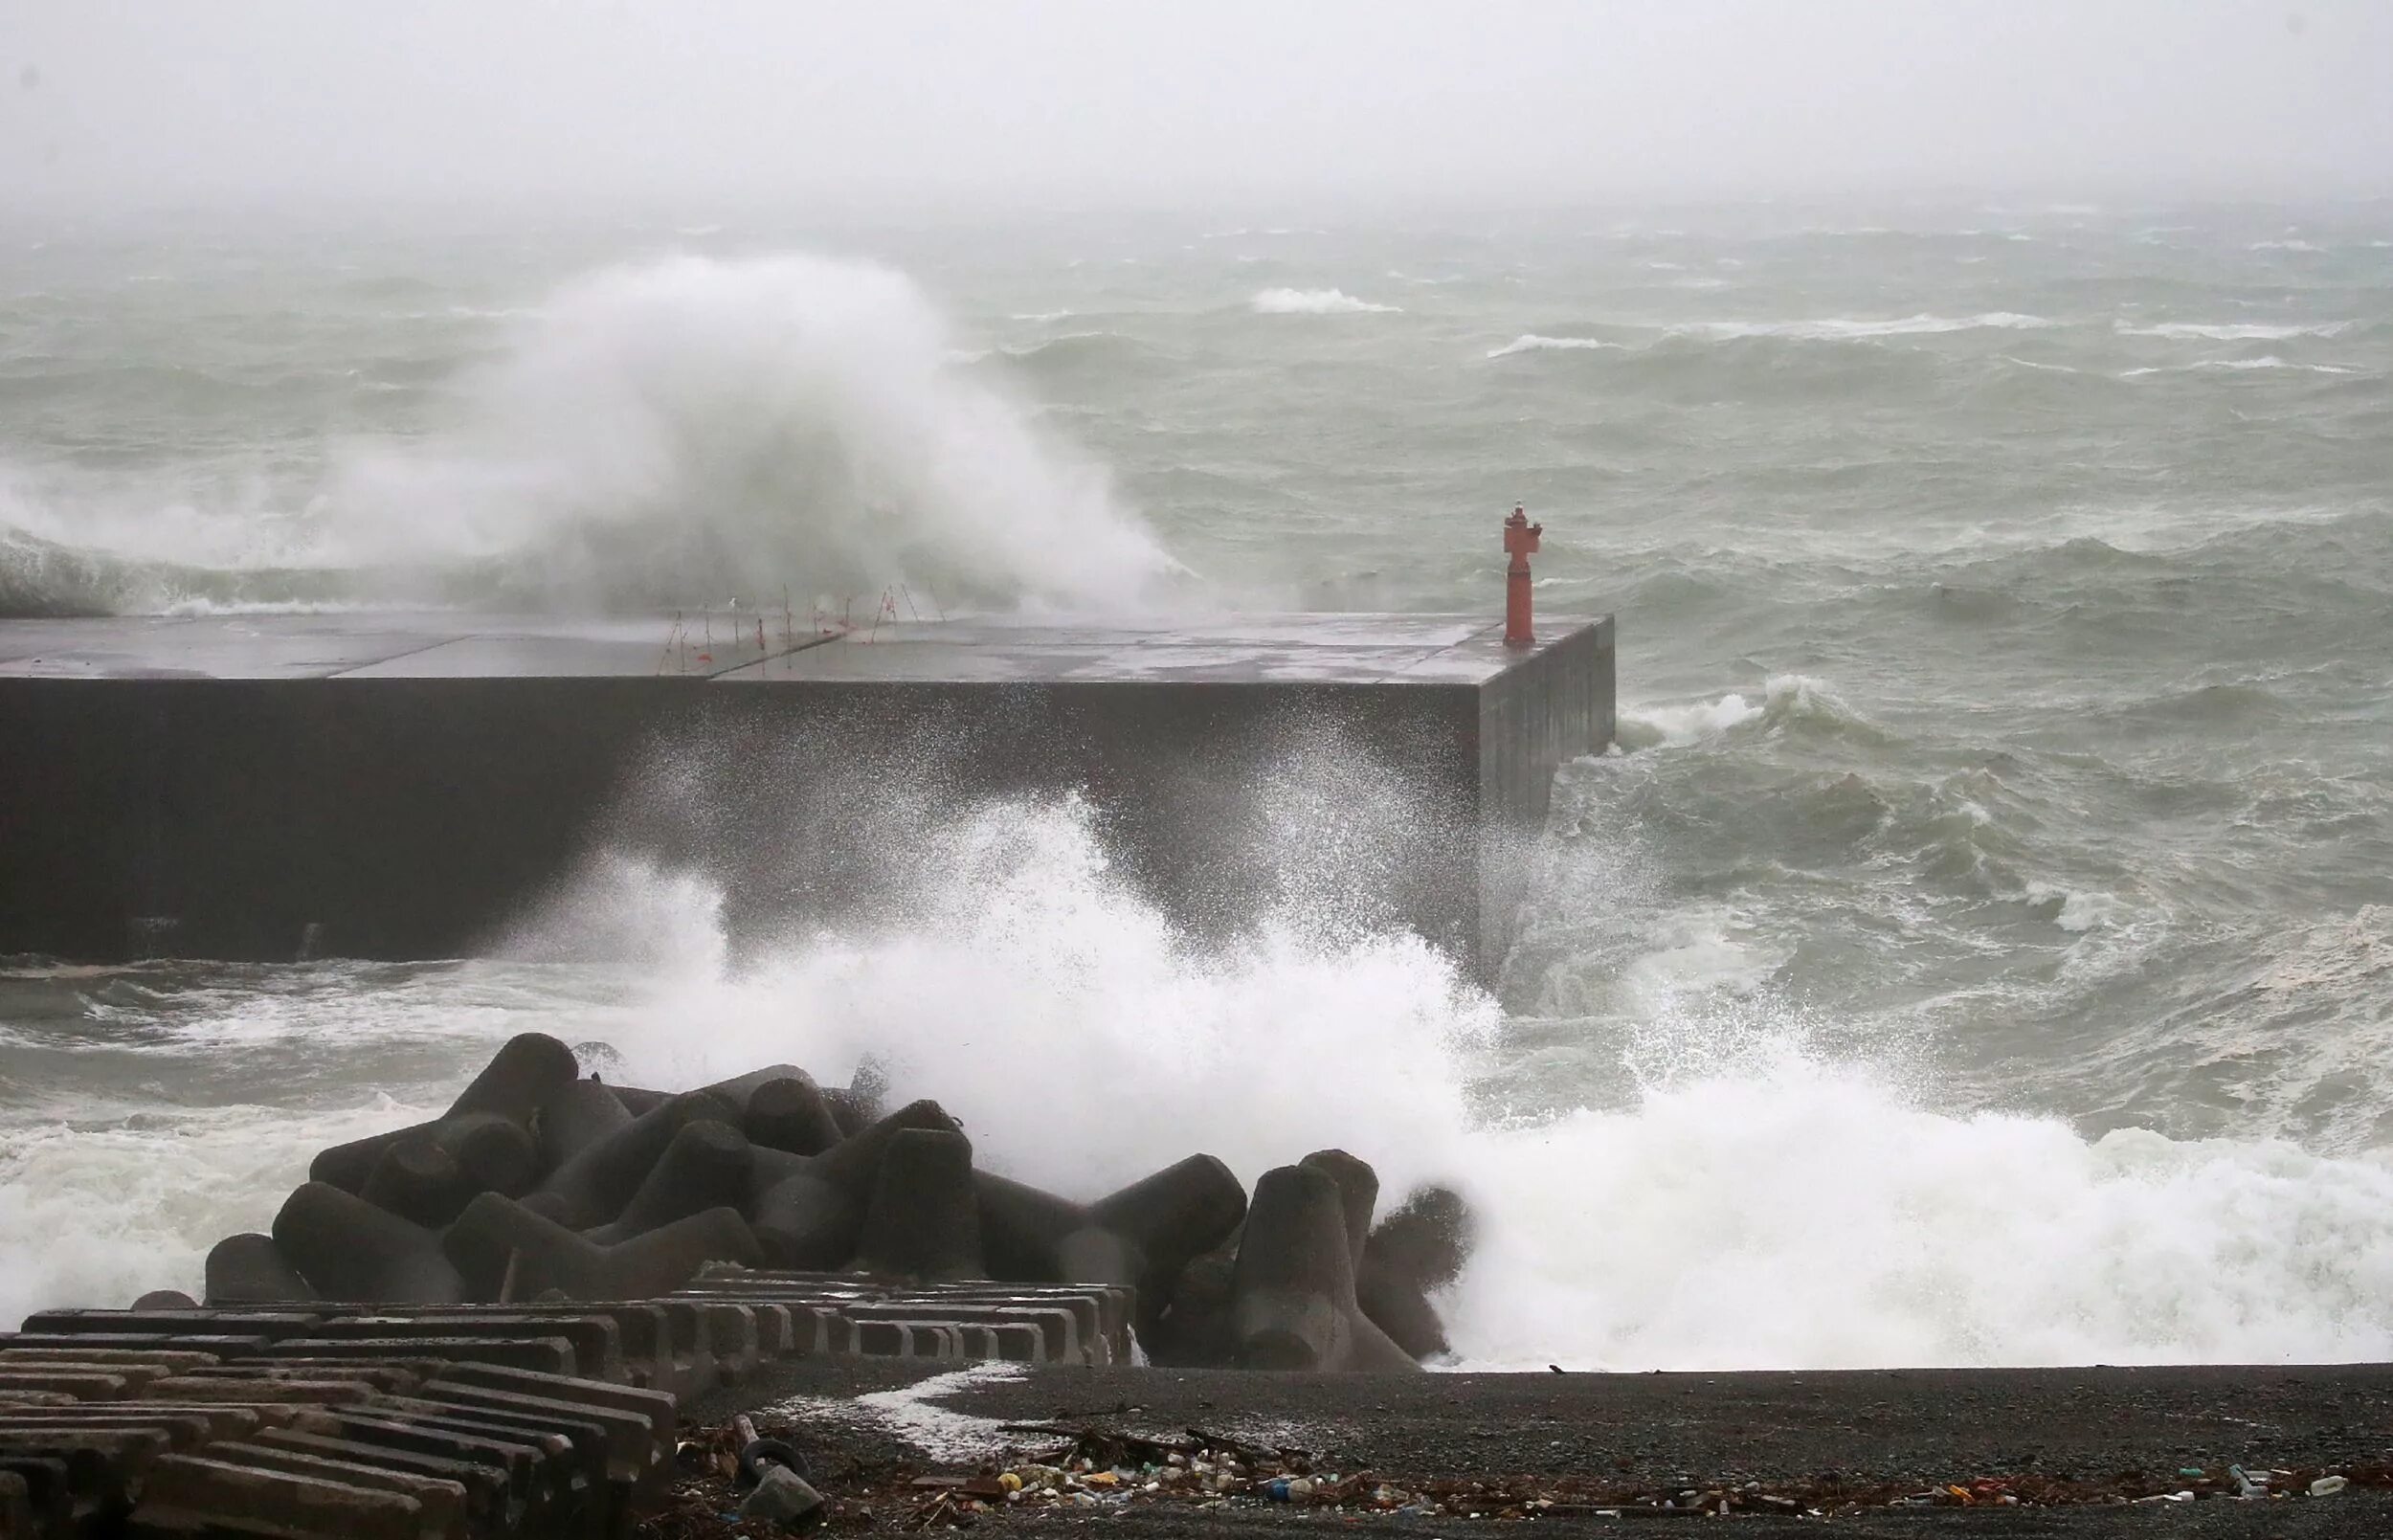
(693, 430)
(1748, 1199)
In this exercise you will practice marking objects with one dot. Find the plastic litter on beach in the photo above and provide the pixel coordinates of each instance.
(1091, 1470)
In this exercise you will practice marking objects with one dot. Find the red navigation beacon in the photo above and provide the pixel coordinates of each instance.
(1520, 538)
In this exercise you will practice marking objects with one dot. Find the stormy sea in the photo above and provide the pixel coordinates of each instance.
(1978, 947)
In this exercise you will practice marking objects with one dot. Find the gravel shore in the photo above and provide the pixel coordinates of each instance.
(1868, 1452)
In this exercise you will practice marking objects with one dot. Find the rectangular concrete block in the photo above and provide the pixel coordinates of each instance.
(48, 1496)
(85, 1382)
(16, 1504)
(169, 1322)
(219, 1346)
(187, 1494)
(1018, 1344)
(548, 1354)
(488, 1495)
(595, 1338)
(313, 1390)
(163, 1360)
(657, 1409)
(630, 1439)
(186, 1425)
(100, 1463)
(512, 1462)
(389, 1375)
(572, 1452)
(443, 1503)
(1058, 1331)
(643, 1335)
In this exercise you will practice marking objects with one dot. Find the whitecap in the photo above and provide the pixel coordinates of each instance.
(1678, 726)
(2232, 331)
(1840, 329)
(1530, 343)
(2271, 361)
(1314, 302)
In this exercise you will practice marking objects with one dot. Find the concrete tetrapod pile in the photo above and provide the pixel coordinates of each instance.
(540, 1186)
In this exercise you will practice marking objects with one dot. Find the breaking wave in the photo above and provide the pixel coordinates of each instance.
(1848, 331)
(1314, 302)
(1532, 343)
(2271, 361)
(710, 429)
(1719, 1191)
(2232, 332)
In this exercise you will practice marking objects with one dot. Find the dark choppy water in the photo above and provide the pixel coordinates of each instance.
(1982, 951)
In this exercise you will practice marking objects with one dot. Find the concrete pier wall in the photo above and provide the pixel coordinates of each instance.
(402, 787)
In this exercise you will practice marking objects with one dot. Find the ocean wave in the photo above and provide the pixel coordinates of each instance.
(1838, 329)
(1315, 303)
(2078, 912)
(2284, 246)
(2232, 332)
(694, 427)
(1787, 701)
(1532, 343)
(2270, 361)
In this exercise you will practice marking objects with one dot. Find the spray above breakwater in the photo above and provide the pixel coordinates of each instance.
(646, 437)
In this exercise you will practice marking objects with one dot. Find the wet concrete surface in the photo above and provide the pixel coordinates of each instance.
(745, 646)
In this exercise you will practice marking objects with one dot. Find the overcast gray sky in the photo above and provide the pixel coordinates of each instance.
(171, 101)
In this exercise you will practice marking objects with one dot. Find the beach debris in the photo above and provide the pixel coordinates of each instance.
(759, 1457)
(783, 1499)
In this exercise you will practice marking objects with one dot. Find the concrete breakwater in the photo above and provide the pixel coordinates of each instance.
(403, 785)
(540, 1185)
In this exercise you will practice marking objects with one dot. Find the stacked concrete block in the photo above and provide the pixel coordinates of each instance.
(384, 1440)
(540, 1188)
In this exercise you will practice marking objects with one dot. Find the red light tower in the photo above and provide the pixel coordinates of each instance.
(1520, 538)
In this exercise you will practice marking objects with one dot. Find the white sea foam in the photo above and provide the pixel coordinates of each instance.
(1754, 1204)
(912, 1413)
(1314, 302)
(2284, 246)
(2232, 332)
(693, 429)
(2270, 361)
(1644, 727)
(1746, 1202)
(1836, 329)
(1785, 696)
(2077, 911)
(1532, 343)
(104, 1209)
